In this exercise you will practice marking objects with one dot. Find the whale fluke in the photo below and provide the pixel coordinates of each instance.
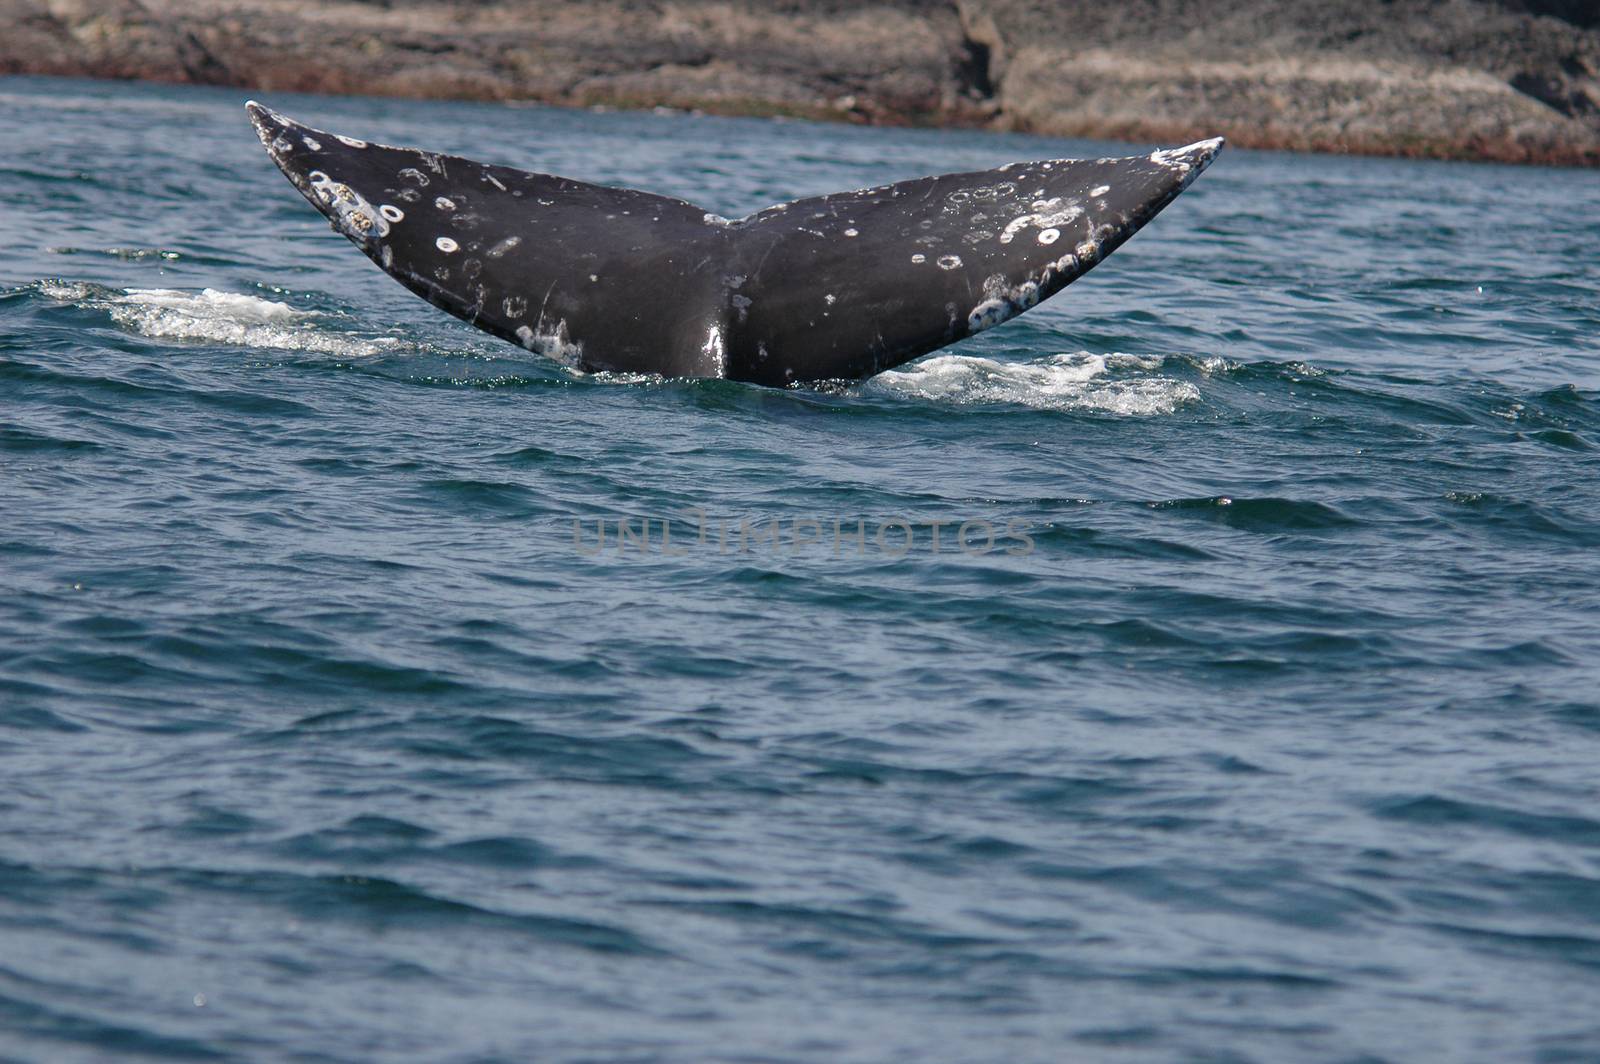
(839, 286)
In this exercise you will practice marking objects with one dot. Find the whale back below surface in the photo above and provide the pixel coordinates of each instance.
(838, 286)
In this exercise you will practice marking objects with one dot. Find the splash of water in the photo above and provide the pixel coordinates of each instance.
(1116, 384)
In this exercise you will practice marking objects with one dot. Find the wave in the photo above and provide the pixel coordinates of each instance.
(232, 318)
(237, 319)
(1115, 383)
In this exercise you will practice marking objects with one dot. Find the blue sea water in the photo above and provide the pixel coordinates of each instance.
(1265, 730)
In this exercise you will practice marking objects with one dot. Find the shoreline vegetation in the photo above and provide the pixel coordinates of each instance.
(1499, 80)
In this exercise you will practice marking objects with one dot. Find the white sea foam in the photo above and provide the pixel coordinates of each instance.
(210, 303)
(65, 291)
(1116, 383)
(237, 319)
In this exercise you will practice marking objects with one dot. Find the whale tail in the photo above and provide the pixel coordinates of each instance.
(838, 286)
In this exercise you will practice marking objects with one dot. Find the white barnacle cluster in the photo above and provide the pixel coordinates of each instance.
(1182, 160)
(1090, 248)
(555, 344)
(1066, 265)
(1002, 302)
(352, 212)
(1048, 216)
(1172, 158)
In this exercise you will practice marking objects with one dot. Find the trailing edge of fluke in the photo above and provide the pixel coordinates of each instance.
(834, 287)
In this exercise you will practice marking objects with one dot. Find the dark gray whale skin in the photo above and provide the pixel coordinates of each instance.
(834, 287)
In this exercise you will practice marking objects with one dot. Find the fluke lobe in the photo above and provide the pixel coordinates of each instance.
(839, 286)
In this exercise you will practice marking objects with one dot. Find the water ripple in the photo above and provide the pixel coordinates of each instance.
(325, 737)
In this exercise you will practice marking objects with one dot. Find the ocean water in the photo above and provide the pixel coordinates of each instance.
(1247, 709)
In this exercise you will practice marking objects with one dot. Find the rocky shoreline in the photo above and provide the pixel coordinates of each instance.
(1509, 80)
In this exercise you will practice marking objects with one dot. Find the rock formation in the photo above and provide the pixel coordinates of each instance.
(1491, 79)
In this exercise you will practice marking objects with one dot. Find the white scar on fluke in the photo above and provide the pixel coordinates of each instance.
(837, 286)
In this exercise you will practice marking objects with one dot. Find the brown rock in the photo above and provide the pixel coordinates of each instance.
(1504, 79)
